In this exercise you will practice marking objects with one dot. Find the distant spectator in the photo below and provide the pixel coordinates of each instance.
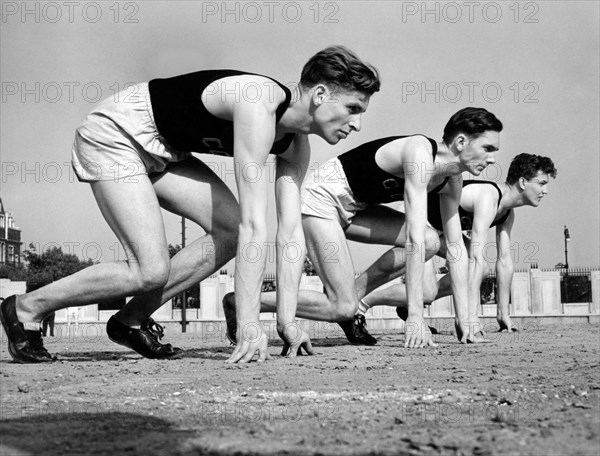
(48, 321)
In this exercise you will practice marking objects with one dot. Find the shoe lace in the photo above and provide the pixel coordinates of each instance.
(360, 323)
(36, 342)
(156, 330)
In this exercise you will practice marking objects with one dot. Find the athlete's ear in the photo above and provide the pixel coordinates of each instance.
(460, 142)
(320, 92)
(522, 182)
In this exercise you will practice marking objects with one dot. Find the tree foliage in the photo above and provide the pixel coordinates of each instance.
(42, 268)
(309, 268)
(174, 250)
(52, 264)
(15, 273)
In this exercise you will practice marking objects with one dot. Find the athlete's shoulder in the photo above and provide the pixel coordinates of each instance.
(417, 140)
(255, 88)
(413, 145)
(481, 190)
(416, 149)
(482, 199)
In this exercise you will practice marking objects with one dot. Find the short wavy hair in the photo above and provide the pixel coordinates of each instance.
(472, 122)
(528, 166)
(339, 66)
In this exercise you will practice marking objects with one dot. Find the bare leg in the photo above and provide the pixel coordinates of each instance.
(328, 251)
(395, 295)
(133, 213)
(383, 225)
(311, 304)
(192, 190)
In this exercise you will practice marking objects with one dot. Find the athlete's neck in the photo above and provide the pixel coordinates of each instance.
(511, 197)
(448, 160)
(295, 118)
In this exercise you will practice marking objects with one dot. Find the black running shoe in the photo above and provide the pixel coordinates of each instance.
(24, 346)
(230, 319)
(356, 331)
(144, 341)
(402, 312)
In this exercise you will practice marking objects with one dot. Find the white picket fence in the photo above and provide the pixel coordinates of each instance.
(534, 292)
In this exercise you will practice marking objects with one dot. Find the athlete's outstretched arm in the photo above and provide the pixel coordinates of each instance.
(456, 254)
(290, 246)
(416, 159)
(504, 271)
(485, 206)
(254, 134)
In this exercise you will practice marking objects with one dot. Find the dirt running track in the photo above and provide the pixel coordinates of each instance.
(533, 392)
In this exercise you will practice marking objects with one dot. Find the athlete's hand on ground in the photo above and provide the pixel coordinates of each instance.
(294, 340)
(477, 334)
(478, 338)
(505, 324)
(417, 334)
(461, 332)
(467, 333)
(251, 340)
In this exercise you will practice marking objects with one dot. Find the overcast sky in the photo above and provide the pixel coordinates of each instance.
(534, 64)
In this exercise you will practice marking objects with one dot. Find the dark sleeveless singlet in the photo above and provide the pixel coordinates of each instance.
(186, 125)
(368, 182)
(434, 215)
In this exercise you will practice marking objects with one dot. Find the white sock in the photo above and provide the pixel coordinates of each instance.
(32, 326)
(363, 307)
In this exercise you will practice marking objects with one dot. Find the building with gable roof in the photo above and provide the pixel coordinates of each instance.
(10, 238)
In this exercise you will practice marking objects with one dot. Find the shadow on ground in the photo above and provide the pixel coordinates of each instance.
(49, 431)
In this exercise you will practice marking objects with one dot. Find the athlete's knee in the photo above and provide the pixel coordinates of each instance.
(430, 291)
(153, 277)
(226, 237)
(432, 243)
(346, 309)
(393, 260)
